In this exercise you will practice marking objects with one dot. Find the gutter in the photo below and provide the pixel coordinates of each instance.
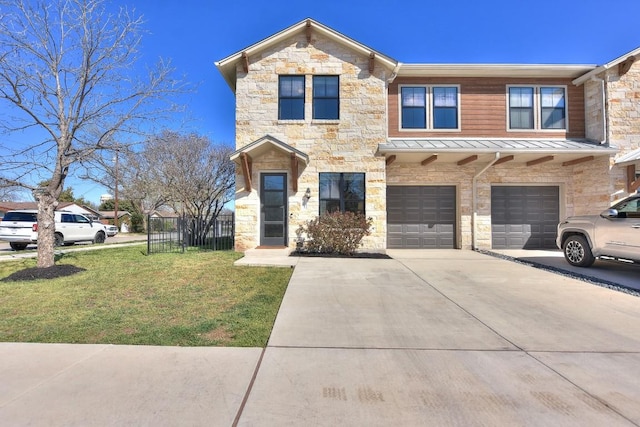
(474, 207)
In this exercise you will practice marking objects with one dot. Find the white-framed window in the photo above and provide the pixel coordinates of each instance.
(429, 107)
(536, 107)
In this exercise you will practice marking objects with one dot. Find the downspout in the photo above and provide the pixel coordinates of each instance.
(474, 195)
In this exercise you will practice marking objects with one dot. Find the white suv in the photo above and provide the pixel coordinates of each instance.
(20, 228)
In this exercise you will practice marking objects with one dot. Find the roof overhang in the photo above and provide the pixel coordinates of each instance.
(244, 156)
(228, 65)
(630, 157)
(465, 151)
(631, 56)
(266, 143)
(494, 70)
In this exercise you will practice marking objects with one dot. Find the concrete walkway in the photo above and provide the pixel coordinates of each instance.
(426, 338)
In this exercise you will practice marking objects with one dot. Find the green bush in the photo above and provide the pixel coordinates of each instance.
(335, 233)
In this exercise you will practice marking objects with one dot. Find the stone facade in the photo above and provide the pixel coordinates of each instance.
(620, 126)
(345, 145)
(605, 109)
(580, 189)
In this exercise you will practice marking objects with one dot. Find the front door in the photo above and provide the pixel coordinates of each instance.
(273, 209)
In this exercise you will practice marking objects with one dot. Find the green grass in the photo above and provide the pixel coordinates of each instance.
(125, 297)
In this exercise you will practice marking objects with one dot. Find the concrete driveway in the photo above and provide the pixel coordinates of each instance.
(447, 338)
(428, 338)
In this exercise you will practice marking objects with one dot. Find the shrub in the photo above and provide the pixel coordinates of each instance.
(335, 233)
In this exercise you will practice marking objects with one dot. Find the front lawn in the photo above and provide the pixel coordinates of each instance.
(125, 297)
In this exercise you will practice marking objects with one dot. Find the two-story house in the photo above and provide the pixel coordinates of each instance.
(438, 155)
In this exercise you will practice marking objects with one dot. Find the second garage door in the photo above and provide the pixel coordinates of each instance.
(524, 217)
(421, 217)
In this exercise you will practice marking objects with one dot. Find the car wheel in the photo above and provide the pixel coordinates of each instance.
(100, 238)
(18, 246)
(577, 251)
(58, 240)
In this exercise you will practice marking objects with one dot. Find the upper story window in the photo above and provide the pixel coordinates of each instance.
(326, 97)
(343, 192)
(291, 98)
(430, 107)
(537, 107)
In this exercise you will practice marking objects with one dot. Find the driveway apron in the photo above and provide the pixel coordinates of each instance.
(447, 338)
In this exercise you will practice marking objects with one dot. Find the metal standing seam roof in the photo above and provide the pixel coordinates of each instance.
(493, 145)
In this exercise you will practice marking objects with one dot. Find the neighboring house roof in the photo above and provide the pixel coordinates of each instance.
(228, 65)
(630, 56)
(12, 206)
(163, 214)
(110, 214)
(464, 150)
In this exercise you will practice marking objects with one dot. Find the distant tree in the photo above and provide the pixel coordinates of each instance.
(189, 173)
(66, 74)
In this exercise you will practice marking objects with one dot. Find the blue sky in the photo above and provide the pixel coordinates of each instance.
(196, 33)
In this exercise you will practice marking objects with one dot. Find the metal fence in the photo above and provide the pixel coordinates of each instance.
(166, 235)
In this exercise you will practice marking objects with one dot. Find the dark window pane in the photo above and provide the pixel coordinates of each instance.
(552, 104)
(445, 118)
(273, 214)
(273, 182)
(291, 98)
(274, 230)
(414, 107)
(342, 192)
(521, 108)
(273, 198)
(326, 97)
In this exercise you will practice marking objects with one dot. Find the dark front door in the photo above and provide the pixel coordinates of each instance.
(273, 209)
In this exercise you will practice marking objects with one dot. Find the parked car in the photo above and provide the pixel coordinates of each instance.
(20, 228)
(112, 230)
(614, 234)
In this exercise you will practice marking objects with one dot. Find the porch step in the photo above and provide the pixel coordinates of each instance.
(268, 256)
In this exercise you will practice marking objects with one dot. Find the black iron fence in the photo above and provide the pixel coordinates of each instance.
(166, 235)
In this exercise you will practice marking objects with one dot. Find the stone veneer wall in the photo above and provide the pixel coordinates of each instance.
(622, 121)
(581, 190)
(345, 145)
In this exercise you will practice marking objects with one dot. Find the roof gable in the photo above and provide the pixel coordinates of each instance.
(632, 56)
(228, 65)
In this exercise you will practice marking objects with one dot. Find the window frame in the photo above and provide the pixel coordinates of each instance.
(537, 108)
(430, 108)
(341, 190)
(325, 97)
(281, 97)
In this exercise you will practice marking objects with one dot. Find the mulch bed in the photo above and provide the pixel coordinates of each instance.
(36, 273)
(371, 255)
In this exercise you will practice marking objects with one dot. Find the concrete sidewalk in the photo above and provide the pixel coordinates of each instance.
(426, 338)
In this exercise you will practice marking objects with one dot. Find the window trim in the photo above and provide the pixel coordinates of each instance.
(537, 108)
(304, 97)
(341, 198)
(313, 98)
(430, 109)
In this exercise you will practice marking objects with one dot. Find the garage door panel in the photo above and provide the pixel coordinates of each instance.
(524, 216)
(421, 217)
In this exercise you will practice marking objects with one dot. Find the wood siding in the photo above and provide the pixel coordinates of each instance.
(483, 108)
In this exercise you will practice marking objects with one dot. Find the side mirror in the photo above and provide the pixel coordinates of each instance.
(609, 213)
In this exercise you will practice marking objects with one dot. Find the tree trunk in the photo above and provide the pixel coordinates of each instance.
(46, 230)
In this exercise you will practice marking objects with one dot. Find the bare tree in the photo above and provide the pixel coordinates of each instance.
(189, 173)
(66, 74)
